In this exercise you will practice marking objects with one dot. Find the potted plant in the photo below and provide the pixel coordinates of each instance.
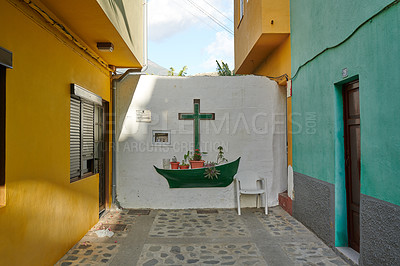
(220, 156)
(185, 164)
(196, 161)
(174, 163)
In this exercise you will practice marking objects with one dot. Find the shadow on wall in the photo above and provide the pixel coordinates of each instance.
(125, 92)
(119, 8)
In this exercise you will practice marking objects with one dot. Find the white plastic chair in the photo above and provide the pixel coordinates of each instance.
(250, 183)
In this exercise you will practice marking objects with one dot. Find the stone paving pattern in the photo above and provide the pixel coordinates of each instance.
(201, 254)
(177, 223)
(85, 253)
(311, 254)
(185, 237)
(279, 223)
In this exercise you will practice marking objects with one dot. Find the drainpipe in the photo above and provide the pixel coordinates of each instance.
(115, 81)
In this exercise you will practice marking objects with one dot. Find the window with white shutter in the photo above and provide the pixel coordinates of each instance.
(75, 138)
(87, 126)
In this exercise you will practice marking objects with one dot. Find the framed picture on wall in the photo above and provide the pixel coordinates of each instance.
(161, 137)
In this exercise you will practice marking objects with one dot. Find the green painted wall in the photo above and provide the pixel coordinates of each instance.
(372, 54)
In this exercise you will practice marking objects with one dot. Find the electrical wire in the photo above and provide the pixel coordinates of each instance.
(195, 15)
(211, 17)
(65, 32)
(279, 77)
(216, 9)
(347, 38)
(221, 24)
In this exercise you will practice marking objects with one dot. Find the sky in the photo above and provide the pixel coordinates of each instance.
(181, 34)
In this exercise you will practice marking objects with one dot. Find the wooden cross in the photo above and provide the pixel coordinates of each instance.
(196, 116)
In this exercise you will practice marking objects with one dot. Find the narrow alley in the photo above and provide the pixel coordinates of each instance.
(201, 237)
(132, 130)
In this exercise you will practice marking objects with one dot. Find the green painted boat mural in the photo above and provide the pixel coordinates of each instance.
(195, 178)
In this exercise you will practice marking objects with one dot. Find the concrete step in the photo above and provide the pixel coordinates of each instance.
(285, 202)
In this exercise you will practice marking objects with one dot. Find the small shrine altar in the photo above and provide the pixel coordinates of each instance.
(195, 178)
(159, 118)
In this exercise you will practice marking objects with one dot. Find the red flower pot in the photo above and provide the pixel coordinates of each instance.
(174, 165)
(184, 166)
(196, 164)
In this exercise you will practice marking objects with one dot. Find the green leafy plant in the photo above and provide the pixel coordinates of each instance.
(220, 156)
(171, 71)
(185, 159)
(182, 72)
(224, 69)
(197, 155)
(211, 171)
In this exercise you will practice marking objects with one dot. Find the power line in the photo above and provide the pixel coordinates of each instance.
(205, 21)
(211, 17)
(221, 24)
(216, 9)
(201, 19)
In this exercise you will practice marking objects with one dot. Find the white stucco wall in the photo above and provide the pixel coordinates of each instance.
(250, 123)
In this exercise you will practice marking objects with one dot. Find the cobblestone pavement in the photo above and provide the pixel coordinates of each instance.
(203, 237)
(176, 223)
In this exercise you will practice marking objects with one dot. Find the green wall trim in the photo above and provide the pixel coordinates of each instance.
(341, 236)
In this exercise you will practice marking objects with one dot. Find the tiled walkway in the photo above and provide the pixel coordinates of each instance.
(204, 237)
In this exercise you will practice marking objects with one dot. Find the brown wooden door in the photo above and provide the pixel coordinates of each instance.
(351, 104)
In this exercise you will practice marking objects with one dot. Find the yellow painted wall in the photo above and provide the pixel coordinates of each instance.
(279, 12)
(277, 63)
(45, 214)
(257, 22)
(248, 30)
